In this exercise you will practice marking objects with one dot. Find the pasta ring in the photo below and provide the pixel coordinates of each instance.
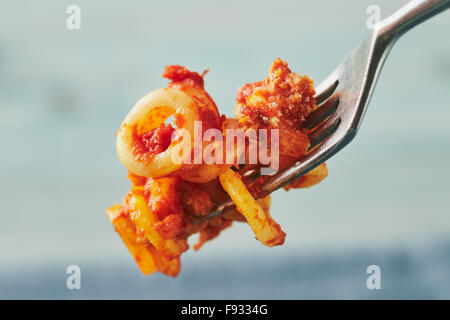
(148, 113)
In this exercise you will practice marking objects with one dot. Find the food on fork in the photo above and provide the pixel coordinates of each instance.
(181, 172)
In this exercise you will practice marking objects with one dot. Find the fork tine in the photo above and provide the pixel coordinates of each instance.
(326, 89)
(321, 113)
(300, 168)
(251, 175)
(325, 130)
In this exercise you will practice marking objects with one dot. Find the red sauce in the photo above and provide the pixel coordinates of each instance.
(136, 180)
(246, 90)
(164, 197)
(178, 120)
(282, 100)
(192, 83)
(170, 226)
(209, 119)
(178, 73)
(194, 200)
(152, 142)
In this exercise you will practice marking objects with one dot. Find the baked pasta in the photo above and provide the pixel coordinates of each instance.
(181, 170)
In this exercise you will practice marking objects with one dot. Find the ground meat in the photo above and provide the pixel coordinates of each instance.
(282, 100)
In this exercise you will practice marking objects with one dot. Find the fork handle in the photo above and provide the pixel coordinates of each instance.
(409, 16)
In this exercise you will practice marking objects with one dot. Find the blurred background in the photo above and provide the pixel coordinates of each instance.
(63, 94)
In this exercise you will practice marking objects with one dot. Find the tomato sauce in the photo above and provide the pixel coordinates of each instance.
(178, 73)
(152, 142)
(282, 100)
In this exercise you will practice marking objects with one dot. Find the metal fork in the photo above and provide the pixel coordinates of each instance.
(343, 96)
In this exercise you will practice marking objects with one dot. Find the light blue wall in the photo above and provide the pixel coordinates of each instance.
(63, 94)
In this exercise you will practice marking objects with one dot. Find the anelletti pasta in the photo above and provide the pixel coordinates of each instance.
(181, 171)
(147, 116)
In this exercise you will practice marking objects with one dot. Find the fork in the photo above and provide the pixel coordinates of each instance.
(344, 95)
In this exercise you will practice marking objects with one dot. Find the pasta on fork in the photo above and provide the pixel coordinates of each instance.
(180, 171)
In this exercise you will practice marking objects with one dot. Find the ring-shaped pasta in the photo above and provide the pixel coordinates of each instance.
(148, 113)
(204, 173)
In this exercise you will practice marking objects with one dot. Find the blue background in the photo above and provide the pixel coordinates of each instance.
(64, 93)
